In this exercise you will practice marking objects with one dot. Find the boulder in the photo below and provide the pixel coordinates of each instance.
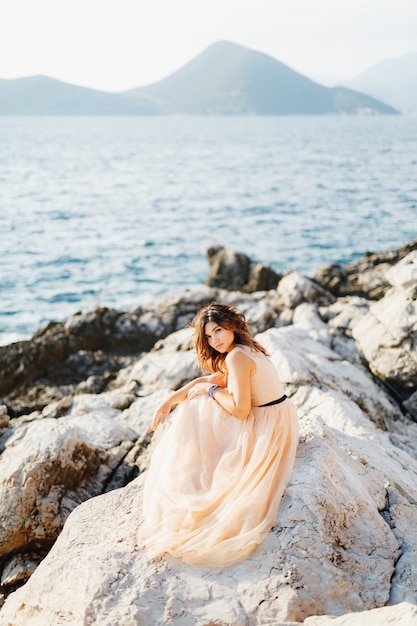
(232, 270)
(294, 288)
(48, 466)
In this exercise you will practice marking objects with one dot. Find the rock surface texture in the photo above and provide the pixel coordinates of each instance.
(344, 546)
(387, 334)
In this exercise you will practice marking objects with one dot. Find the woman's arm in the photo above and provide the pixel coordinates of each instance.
(240, 369)
(182, 394)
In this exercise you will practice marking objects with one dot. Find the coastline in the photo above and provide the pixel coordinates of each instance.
(85, 351)
(76, 404)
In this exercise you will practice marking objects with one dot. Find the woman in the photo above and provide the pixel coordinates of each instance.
(217, 476)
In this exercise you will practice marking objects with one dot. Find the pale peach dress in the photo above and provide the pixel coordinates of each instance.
(215, 482)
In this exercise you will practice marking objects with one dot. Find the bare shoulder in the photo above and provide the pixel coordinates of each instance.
(240, 359)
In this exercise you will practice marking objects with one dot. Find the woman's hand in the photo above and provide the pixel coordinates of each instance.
(198, 389)
(161, 414)
(192, 389)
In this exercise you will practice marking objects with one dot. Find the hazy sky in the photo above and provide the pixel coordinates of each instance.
(120, 44)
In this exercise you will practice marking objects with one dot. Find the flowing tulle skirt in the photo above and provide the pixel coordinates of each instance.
(215, 482)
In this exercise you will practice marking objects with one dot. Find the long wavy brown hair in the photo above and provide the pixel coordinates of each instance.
(227, 317)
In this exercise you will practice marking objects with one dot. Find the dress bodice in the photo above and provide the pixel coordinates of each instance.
(265, 383)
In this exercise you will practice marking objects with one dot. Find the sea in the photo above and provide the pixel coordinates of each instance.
(113, 211)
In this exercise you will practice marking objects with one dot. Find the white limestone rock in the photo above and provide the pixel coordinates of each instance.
(345, 312)
(163, 369)
(344, 541)
(386, 335)
(294, 288)
(48, 467)
(404, 614)
(403, 274)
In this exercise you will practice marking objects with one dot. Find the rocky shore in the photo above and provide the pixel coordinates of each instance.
(75, 407)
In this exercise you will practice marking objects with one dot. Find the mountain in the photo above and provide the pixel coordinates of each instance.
(228, 79)
(41, 95)
(225, 79)
(394, 81)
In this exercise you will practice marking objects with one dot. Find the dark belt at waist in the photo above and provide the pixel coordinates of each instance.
(281, 399)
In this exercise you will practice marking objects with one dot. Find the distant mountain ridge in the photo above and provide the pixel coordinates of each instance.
(41, 95)
(393, 80)
(225, 79)
(229, 79)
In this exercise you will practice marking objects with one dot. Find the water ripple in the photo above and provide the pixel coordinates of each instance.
(118, 210)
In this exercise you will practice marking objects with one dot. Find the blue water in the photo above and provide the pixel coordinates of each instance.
(116, 210)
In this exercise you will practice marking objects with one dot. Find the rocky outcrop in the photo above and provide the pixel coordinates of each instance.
(85, 353)
(232, 270)
(365, 277)
(344, 543)
(344, 540)
(387, 334)
(50, 465)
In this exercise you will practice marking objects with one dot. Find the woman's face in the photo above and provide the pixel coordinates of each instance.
(219, 338)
